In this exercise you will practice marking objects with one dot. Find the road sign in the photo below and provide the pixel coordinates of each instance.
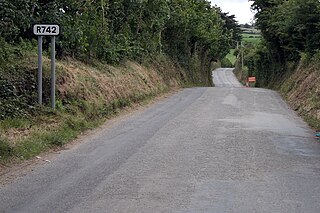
(252, 79)
(46, 29)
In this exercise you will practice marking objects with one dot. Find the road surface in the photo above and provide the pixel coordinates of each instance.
(223, 149)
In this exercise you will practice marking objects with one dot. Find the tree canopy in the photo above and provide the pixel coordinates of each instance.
(118, 29)
(290, 31)
(290, 27)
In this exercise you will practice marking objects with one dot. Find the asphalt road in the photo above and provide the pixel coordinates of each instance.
(223, 149)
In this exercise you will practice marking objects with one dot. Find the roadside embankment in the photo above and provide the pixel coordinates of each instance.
(302, 90)
(87, 94)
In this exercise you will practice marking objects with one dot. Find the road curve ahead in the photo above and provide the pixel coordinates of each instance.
(224, 149)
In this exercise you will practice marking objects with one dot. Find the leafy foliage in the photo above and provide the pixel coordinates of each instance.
(192, 33)
(113, 30)
(226, 63)
(290, 28)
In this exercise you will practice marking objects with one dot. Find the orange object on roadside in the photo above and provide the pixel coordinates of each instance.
(252, 79)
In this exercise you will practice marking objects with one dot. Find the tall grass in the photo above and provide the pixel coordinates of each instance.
(86, 96)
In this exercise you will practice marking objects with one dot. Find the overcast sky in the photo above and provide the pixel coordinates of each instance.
(239, 8)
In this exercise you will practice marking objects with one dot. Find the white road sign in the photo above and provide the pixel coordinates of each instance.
(46, 29)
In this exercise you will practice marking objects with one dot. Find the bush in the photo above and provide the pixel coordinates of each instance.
(226, 63)
(17, 81)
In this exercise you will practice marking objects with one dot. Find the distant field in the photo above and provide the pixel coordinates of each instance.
(251, 38)
(250, 30)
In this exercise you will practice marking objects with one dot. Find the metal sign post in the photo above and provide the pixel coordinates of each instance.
(47, 30)
(40, 70)
(53, 72)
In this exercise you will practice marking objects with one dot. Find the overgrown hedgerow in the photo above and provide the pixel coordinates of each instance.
(110, 54)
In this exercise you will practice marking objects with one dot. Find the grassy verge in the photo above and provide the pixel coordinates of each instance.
(301, 89)
(27, 137)
(87, 95)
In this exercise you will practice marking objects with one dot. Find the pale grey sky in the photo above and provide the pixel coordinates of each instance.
(239, 8)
